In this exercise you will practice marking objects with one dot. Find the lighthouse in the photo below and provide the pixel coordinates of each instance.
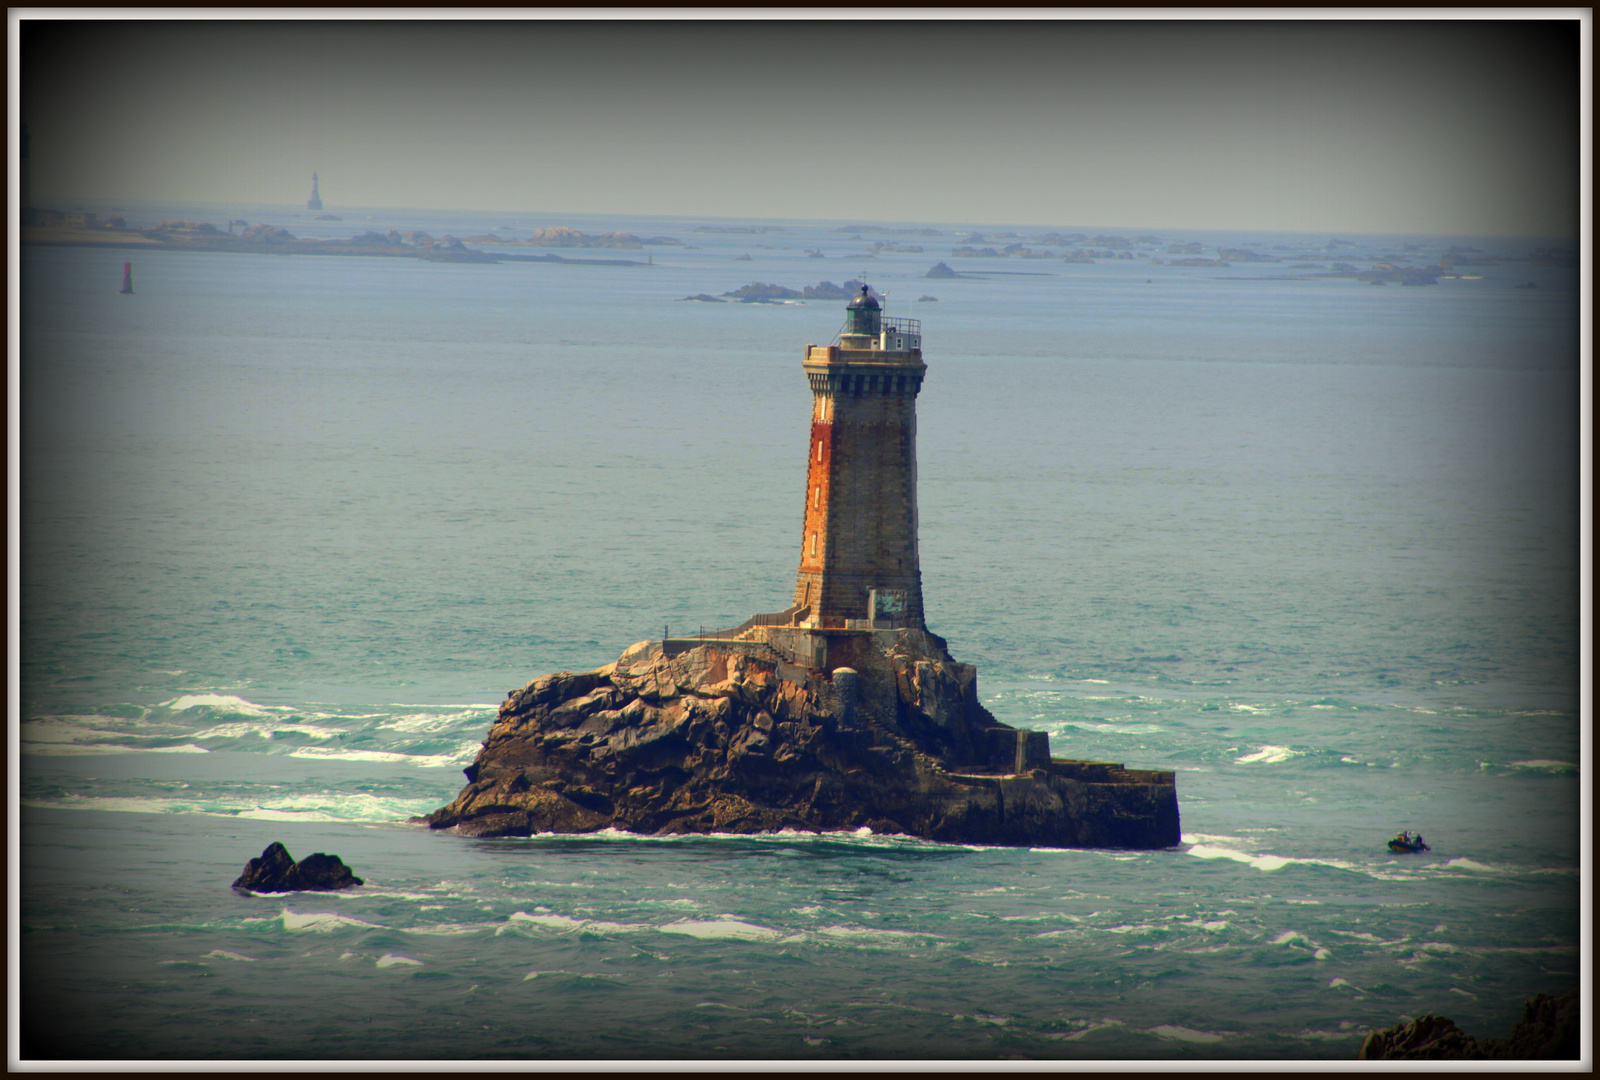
(859, 566)
(315, 202)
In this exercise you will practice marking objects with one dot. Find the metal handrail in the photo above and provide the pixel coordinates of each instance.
(892, 323)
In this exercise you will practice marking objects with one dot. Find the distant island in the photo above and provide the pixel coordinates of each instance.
(80, 229)
(741, 229)
(1408, 266)
(759, 292)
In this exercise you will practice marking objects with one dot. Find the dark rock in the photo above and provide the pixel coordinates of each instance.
(706, 298)
(827, 290)
(729, 736)
(1549, 1029)
(1427, 1038)
(1244, 255)
(940, 270)
(276, 871)
(374, 238)
(760, 290)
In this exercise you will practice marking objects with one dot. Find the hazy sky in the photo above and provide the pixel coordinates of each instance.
(1321, 126)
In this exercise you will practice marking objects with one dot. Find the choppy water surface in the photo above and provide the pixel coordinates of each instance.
(293, 526)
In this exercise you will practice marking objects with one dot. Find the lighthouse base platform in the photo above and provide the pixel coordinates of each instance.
(735, 737)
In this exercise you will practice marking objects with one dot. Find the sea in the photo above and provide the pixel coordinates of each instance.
(290, 528)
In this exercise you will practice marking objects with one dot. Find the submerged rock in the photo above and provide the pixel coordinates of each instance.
(1549, 1030)
(698, 736)
(276, 871)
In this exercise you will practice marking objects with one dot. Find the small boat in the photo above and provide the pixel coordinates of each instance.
(1406, 844)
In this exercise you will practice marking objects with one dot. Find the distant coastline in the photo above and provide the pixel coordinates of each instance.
(267, 240)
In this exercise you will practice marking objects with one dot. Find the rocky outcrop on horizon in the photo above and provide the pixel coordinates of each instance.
(563, 236)
(827, 290)
(759, 291)
(728, 736)
(376, 238)
(267, 234)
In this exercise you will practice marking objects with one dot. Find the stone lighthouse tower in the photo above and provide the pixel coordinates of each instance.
(859, 567)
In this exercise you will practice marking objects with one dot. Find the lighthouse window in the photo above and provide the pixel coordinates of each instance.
(819, 451)
(813, 543)
(816, 496)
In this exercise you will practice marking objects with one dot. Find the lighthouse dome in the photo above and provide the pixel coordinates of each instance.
(862, 315)
(865, 302)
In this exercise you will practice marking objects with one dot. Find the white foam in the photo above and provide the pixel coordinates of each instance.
(444, 929)
(216, 701)
(1468, 864)
(1268, 755)
(434, 721)
(1122, 728)
(421, 761)
(1089, 1026)
(1183, 1034)
(867, 933)
(987, 1018)
(395, 959)
(722, 928)
(62, 749)
(1260, 862)
(1545, 763)
(567, 924)
(224, 954)
(54, 731)
(321, 922)
(557, 922)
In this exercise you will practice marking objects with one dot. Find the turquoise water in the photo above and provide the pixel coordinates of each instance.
(293, 526)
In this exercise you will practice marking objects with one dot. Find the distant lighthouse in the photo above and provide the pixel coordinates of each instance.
(858, 545)
(315, 202)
